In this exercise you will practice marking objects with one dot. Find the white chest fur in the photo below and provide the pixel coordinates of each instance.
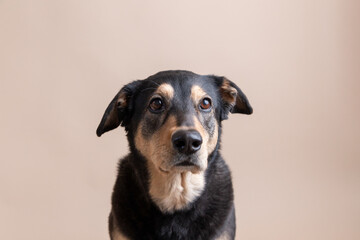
(175, 191)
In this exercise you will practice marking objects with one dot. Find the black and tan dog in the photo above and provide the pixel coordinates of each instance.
(174, 184)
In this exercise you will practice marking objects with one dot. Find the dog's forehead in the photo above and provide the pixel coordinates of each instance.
(181, 84)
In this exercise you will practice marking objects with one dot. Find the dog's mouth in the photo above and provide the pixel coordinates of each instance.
(183, 163)
(183, 166)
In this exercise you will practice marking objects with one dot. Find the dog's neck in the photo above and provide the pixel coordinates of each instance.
(174, 190)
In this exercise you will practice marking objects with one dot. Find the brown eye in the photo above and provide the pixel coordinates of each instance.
(156, 105)
(205, 104)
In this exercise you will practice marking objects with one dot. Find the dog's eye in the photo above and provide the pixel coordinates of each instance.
(156, 105)
(205, 104)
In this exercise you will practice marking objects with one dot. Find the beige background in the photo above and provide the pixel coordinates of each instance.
(295, 161)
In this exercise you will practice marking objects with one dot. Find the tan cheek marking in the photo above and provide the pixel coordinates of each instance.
(197, 93)
(140, 142)
(155, 149)
(228, 93)
(164, 134)
(166, 90)
(210, 143)
(147, 147)
(160, 142)
(203, 152)
(213, 140)
(201, 130)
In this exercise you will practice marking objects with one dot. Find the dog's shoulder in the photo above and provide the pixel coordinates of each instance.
(129, 175)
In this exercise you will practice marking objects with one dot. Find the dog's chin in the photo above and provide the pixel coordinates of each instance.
(181, 169)
(188, 165)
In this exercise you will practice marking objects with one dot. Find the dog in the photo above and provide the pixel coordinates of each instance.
(173, 184)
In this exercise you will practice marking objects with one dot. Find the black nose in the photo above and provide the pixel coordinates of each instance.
(187, 141)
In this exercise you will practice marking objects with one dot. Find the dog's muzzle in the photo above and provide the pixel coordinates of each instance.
(186, 155)
(186, 141)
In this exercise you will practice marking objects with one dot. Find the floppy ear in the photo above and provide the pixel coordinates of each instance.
(232, 98)
(119, 110)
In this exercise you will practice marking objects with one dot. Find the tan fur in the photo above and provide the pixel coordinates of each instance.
(210, 143)
(228, 93)
(158, 147)
(166, 90)
(197, 93)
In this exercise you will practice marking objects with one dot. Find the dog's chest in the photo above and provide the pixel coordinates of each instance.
(171, 192)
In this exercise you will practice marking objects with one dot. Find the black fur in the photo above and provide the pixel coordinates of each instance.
(133, 210)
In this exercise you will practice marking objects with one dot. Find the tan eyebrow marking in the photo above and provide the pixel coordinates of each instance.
(197, 93)
(166, 90)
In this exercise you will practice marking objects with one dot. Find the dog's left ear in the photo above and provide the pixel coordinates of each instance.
(232, 98)
(119, 110)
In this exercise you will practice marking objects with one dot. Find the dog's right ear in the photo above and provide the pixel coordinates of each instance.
(119, 110)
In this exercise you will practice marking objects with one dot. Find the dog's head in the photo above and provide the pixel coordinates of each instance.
(173, 118)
